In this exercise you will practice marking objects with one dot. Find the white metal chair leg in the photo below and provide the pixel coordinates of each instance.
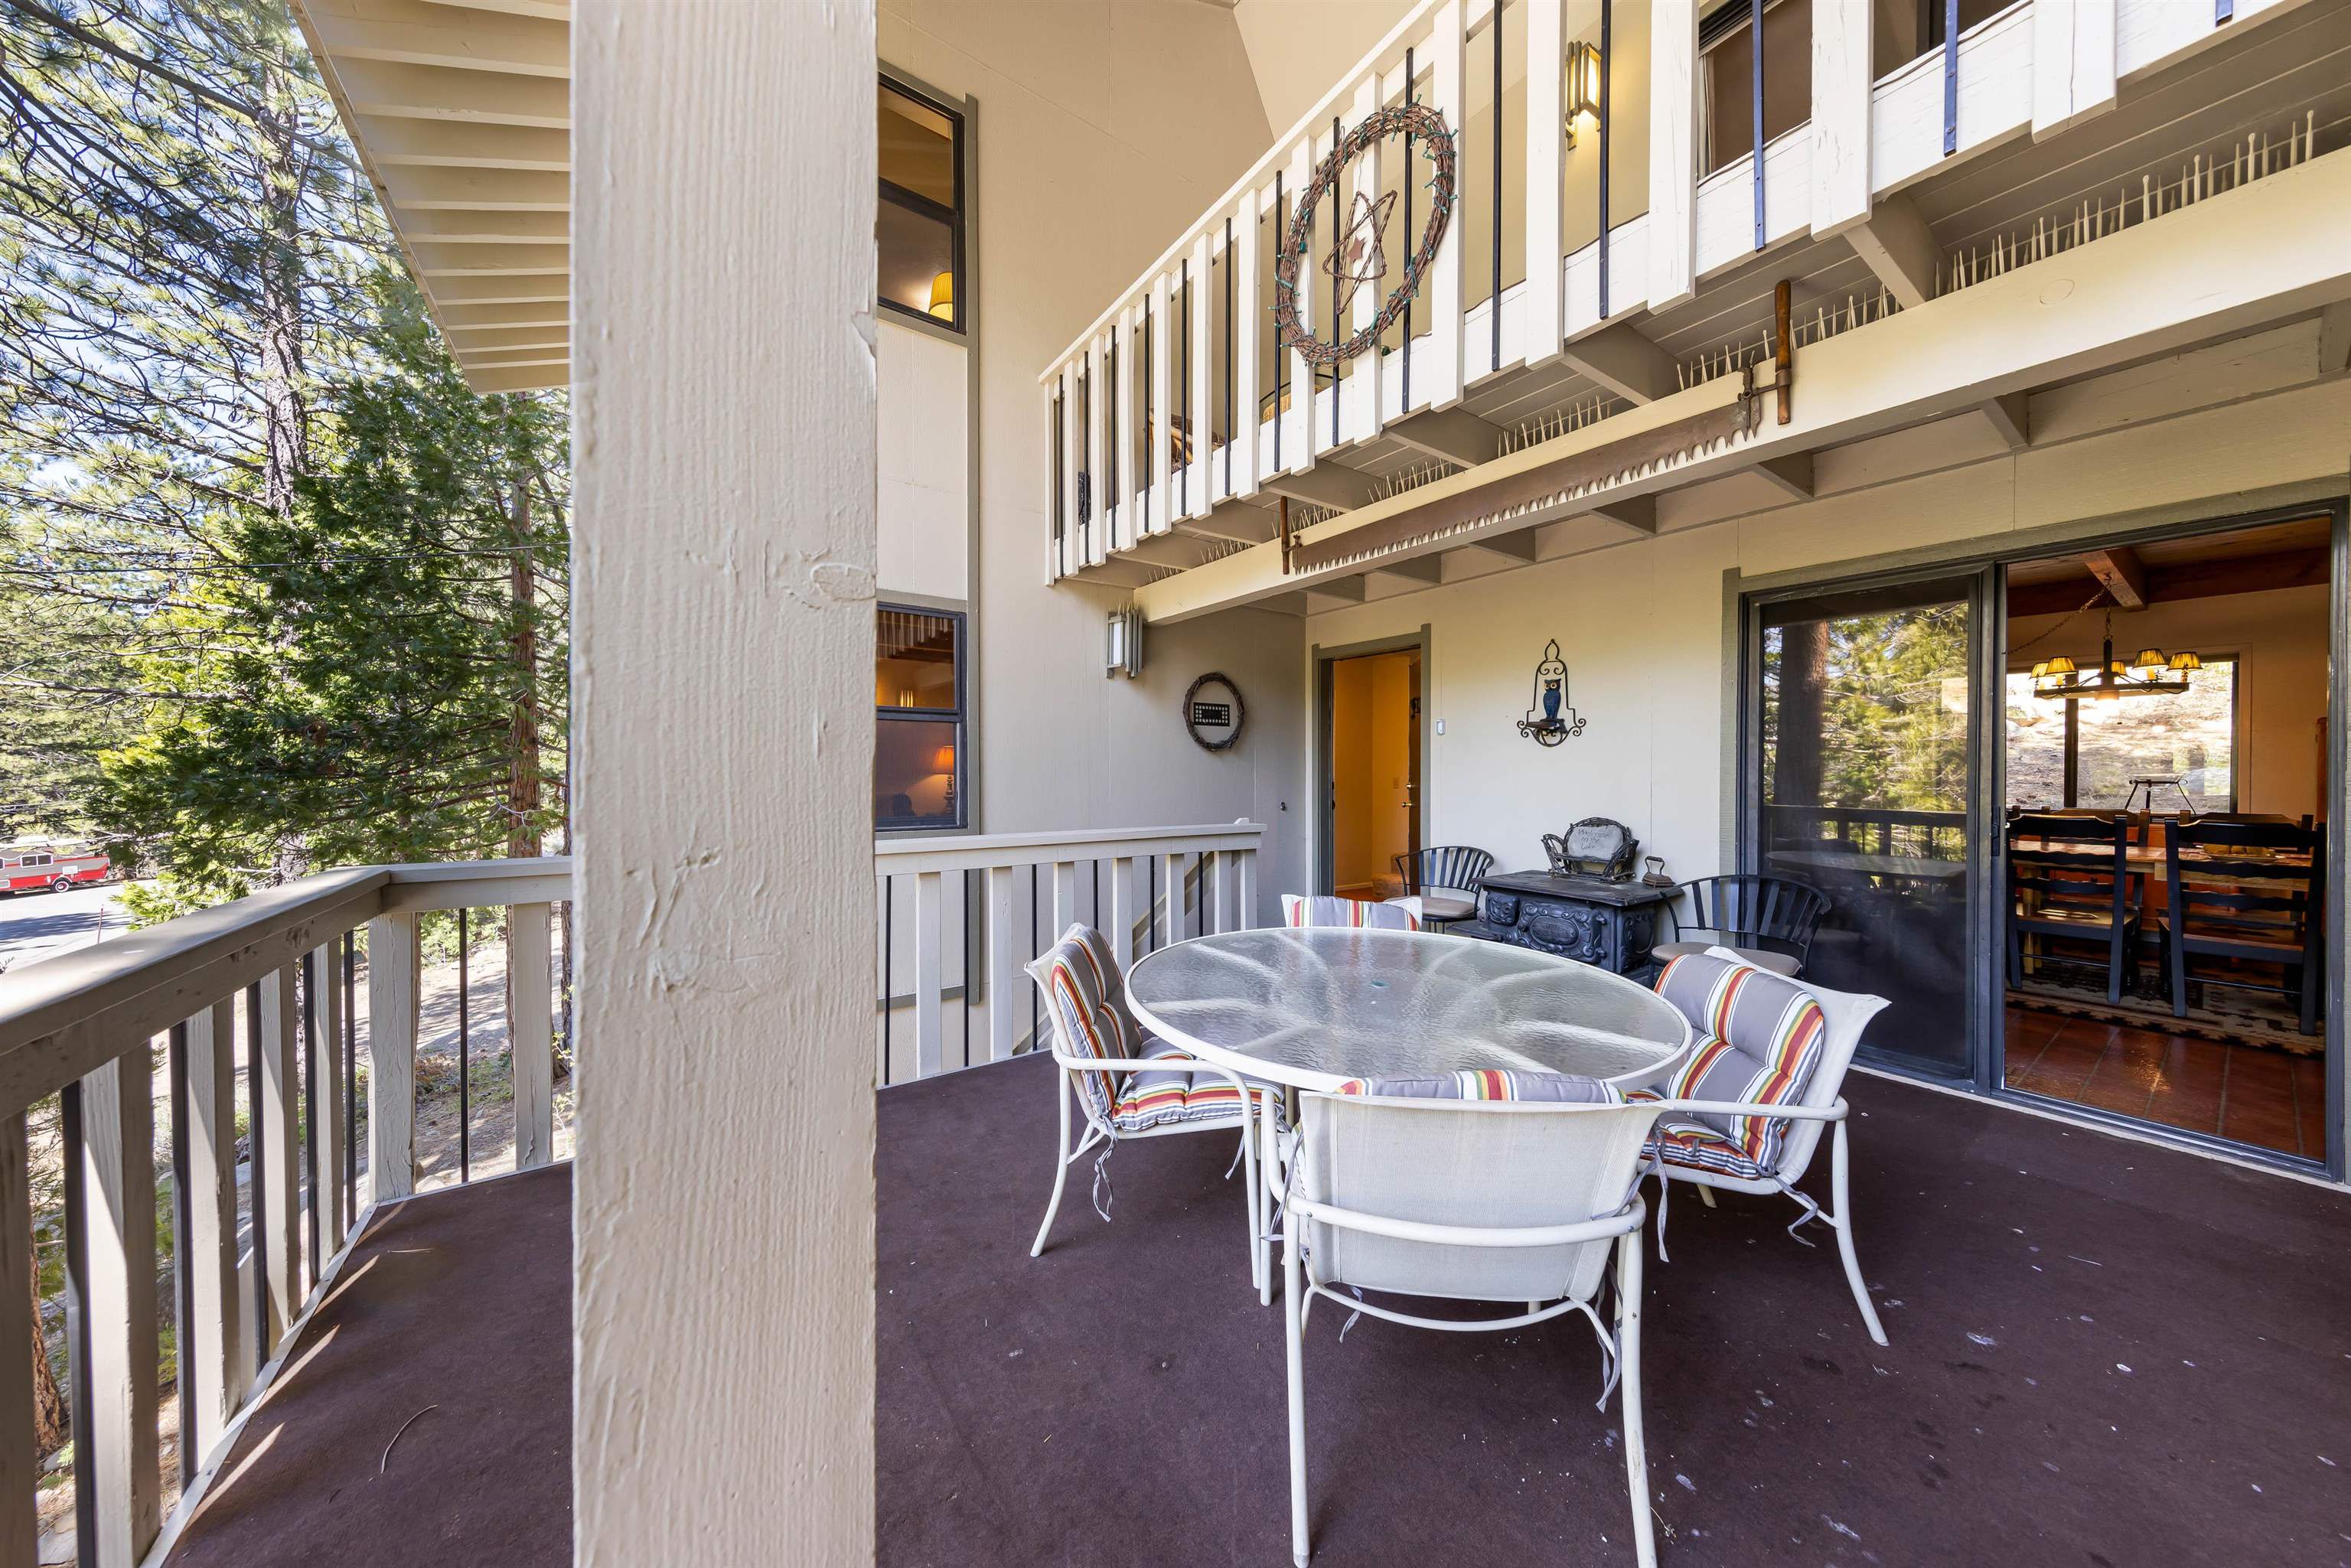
(1628, 1361)
(1293, 1331)
(1842, 1221)
(1061, 1157)
(1248, 1172)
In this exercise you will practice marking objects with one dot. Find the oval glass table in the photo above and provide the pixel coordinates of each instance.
(1311, 1009)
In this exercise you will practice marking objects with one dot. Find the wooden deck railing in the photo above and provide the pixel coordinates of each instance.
(82, 1027)
(957, 917)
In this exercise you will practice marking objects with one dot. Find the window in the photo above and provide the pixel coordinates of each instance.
(918, 750)
(919, 223)
(2086, 753)
(1726, 43)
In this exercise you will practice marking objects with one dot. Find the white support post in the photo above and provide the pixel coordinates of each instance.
(220, 1361)
(1298, 421)
(20, 1460)
(1172, 878)
(928, 1030)
(1065, 897)
(1130, 409)
(1121, 913)
(391, 1056)
(1245, 888)
(1544, 316)
(1841, 98)
(1074, 462)
(1216, 867)
(324, 996)
(1361, 418)
(1204, 418)
(1242, 258)
(531, 1033)
(1671, 231)
(1163, 343)
(2072, 64)
(1004, 962)
(1098, 496)
(1442, 294)
(116, 1445)
(276, 1136)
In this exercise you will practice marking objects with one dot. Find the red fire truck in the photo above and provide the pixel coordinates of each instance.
(41, 865)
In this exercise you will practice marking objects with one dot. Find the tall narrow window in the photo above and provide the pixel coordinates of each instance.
(1727, 44)
(919, 223)
(918, 710)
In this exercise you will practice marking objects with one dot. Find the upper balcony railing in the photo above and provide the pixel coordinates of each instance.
(250, 1254)
(1592, 184)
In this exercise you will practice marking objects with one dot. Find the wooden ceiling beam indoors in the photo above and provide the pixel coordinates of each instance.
(2169, 584)
(2120, 572)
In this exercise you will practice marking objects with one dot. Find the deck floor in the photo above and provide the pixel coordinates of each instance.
(456, 1304)
(2105, 1353)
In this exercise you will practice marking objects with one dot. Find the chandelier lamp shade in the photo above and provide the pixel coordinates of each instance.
(2151, 672)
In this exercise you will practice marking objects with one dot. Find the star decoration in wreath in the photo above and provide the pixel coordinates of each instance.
(1357, 257)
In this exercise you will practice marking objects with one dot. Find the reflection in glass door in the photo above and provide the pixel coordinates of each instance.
(1861, 786)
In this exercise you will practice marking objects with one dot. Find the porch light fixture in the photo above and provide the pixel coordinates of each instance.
(943, 296)
(1583, 83)
(2153, 673)
(1123, 650)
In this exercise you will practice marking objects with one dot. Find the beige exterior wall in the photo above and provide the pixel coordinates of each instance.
(1102, 128)
(922, 457)
(1641, 625)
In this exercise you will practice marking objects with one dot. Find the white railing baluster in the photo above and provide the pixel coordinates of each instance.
(1098, 495)
(392, 999)
(1671, 231)
(1065, 898)
(1215, 868)
(1121, 927)
(1543, 318)
(1163, 360)
(1202, 429)
(927, 1027)
(1442, 293)
(325, 993)
(1171, 879)
(20, 1460)
(1129, 486)
(1362, 418)
(531, 1033)
(1072, 463)
(1298, 420)
(1243, 259)
(1004, 961)
(276, 1136)
(1245, 881)
(116, 1439)
(221, 1358)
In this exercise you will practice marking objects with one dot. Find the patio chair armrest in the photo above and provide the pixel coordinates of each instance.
(1832, 1112)
(1623, 1221)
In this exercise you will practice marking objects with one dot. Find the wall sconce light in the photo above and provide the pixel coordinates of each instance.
(1584, 85)
(943, 296)
(1122, 649)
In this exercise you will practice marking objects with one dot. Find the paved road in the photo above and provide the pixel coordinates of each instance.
(33, 926)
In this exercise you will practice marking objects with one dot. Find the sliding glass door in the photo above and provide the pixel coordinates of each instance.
(1865, 710)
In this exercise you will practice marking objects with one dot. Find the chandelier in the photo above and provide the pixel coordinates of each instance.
(2152, 674)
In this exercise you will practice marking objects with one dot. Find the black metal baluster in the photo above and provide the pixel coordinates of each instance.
(256, 1181)
(309, 1113)
(966, 958)
(1338, 236)
(1494, 304)
(351, 1074)
(1607, 69)
(1232, 276)
(1410, 237)
(1150, 414)
(1950, 76)
(1035, 948)
(184, 1278)
(79, 1379)
(465, 1056)
(1060, 484)
(1755, 53)
(888, 924)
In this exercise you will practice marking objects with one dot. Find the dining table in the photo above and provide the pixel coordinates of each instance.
(1310, 1009)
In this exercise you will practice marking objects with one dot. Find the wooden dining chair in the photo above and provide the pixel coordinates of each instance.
(2069, 877)
(2245, 892)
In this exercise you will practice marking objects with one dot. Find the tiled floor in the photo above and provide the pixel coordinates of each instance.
(2249, 1093)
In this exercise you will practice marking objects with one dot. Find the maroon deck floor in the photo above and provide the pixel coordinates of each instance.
(459, 1300)
(2105, 1354)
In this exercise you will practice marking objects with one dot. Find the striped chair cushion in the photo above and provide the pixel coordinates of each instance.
(1561, 1088)
(1698, 1146)
(1759, 1039)
(1088, 998)
(1157, 1097)
(1323, 910)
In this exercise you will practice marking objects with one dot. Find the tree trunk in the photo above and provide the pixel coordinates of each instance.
(523, 782)
(1796, 762)
(286, 415)
(49, 1425)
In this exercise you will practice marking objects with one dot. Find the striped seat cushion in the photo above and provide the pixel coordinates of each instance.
(1088, 998)
(1323, 910)
(1560, 1088)
(1759, 1039)
(1699, 1147)
(1157, 1097)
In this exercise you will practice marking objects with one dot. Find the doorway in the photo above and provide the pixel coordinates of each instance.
(1371, 744)
(2168, 773)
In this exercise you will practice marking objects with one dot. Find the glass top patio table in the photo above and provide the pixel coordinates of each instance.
(1312, 1007)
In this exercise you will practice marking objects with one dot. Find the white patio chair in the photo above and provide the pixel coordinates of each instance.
(1128, 1083)
(1324, 909)
(1424, 1189)
(1744, 1113)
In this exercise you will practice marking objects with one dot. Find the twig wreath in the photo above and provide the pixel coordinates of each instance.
(1419, 120)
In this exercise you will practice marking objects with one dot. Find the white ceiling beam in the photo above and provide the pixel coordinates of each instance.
(1334, 592)
(457, 319)
(550, 10)
(1625, 362)
(527, 377)
(2010, 416)
(483, 339)
(477, 190)
(406, 33)
(2335, 338)
(1327, 484)
(1453, 433)
(434, 144)
(1237, 523)
(1519, 548)
(436, 92)
(502, 290)
(435, 260)
(514, 359)
(472, 227)
(1416, 571)
(1638, 513)
(1898, 245)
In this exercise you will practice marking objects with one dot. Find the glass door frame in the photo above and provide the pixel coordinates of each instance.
(1986, 792)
